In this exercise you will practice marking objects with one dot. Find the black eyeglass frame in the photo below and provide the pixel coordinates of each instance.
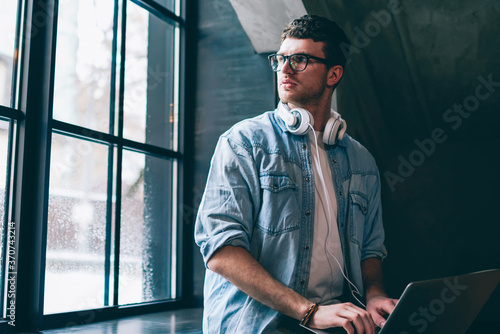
(287, 58)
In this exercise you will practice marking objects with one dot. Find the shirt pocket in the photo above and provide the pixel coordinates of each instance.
(358, 210)
(280, 211)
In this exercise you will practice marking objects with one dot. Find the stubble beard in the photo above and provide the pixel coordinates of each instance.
(300, 99)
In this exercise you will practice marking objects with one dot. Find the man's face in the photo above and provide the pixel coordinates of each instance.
(305, 88)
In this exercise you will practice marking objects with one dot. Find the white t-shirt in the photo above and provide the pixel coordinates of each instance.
(325, 280)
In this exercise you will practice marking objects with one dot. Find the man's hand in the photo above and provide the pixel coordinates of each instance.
(379, 308)
(352, 318)
(377, 303)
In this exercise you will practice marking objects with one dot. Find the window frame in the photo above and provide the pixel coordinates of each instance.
(31, 166)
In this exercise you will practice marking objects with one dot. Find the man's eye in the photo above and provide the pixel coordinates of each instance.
(299, 59)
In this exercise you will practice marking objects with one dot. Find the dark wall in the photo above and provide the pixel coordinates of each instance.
(233, 83)
(422, 93)
(415, 95)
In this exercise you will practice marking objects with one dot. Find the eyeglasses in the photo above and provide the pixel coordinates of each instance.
(297, 61)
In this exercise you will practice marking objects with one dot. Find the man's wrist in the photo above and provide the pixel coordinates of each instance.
(309, 314)
(302, 308)
(374, 292)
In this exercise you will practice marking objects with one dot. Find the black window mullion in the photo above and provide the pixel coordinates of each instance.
(119, 158)
(160, 11)
(9, 113)
(118, 206)
(33, 161)
(104, 138)
(114, 50)
(186, 130)
(109, 224)
(109, 201)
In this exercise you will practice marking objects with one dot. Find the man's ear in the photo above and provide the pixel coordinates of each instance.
(334, 75)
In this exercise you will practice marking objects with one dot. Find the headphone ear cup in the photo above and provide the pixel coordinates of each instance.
(343, 128)
(304, 118)
(335, 127)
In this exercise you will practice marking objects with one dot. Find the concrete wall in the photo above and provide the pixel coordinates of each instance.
(233, 83)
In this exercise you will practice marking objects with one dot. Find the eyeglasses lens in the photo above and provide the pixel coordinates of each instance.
(276, 62)
(296, 62)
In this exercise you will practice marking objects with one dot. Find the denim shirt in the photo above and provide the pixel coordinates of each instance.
(260, 196)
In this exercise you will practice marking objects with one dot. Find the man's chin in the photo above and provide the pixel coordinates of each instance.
(286, 97)
(289, 100)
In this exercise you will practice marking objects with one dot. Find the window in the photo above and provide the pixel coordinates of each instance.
(105, 179)
(9, 115)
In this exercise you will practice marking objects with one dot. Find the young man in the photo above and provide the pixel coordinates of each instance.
(290, 227)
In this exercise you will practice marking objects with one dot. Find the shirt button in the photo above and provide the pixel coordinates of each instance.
(308, 213)
(275, 186)
(304, 146)
(334, 161)
(306, 247)
(308, 179)
(302, 282)
(341, 193)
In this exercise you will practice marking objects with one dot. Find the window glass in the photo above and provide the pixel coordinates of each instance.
(83, 63)
(147, 234)
(8, 14)
(76, 233)
(150, 103)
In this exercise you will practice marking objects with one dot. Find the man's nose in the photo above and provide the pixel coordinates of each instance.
(286, 67)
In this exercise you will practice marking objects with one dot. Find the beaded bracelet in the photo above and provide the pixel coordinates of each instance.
(309, 314)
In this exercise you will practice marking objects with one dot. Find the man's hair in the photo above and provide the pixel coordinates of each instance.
(320, 29)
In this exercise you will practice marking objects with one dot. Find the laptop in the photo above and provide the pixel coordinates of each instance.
(443, 305)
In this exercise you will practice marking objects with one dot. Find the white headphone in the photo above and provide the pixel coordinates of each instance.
(297, 121)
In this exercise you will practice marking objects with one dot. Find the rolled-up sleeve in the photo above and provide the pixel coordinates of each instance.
(230, 201)
(373, 243)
